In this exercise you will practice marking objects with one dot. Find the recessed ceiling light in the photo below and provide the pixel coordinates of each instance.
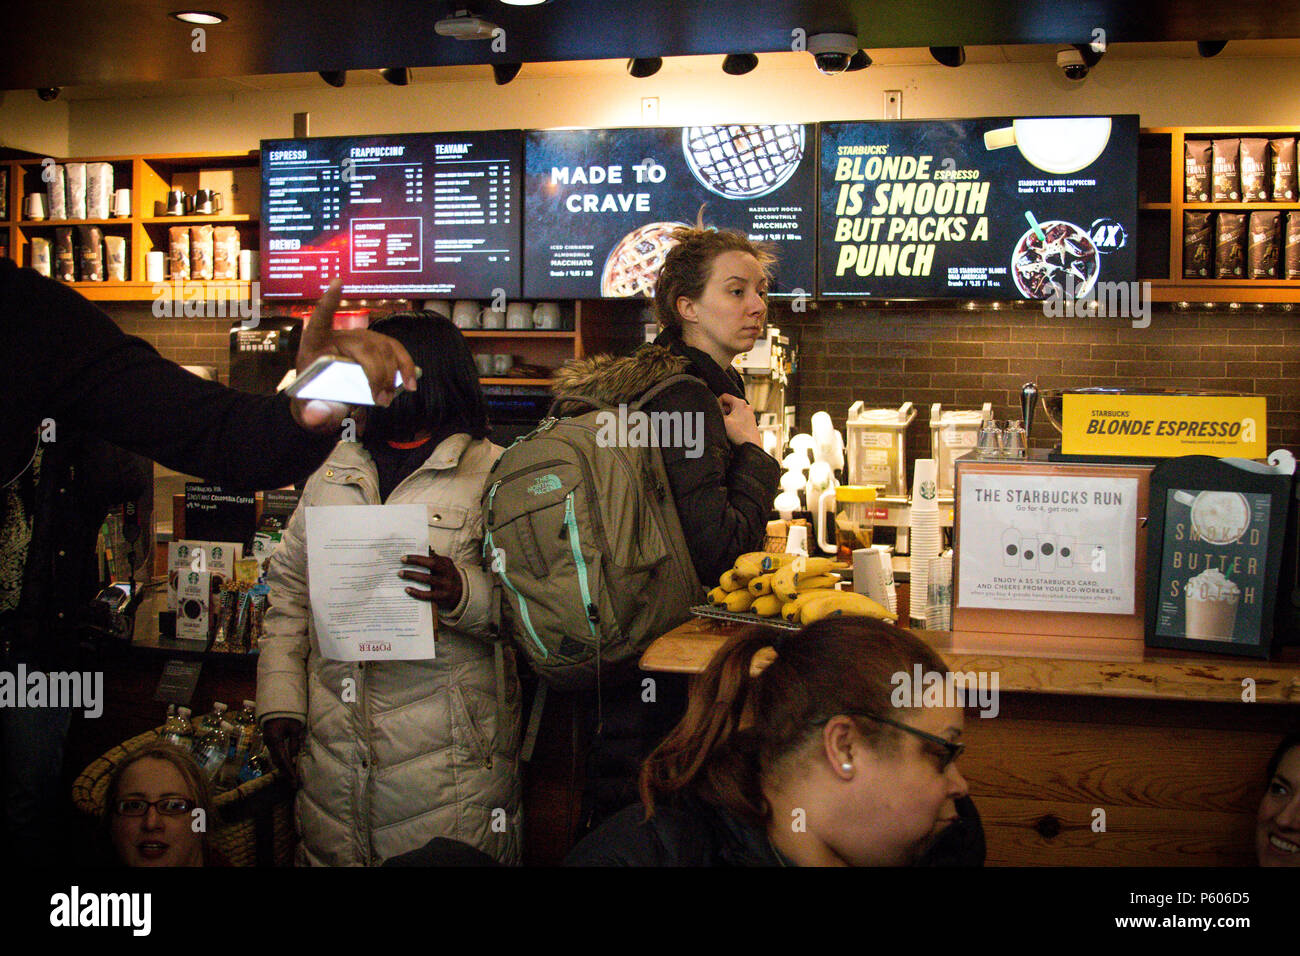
(205, 17)
(524, 3)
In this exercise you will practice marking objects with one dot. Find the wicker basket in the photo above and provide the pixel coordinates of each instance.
(254, 821)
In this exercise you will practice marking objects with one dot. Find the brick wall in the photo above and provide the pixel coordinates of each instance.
(884, 356)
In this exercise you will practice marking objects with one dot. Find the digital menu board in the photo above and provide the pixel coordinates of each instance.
(397, 216)
(995, 208)
(600, 205)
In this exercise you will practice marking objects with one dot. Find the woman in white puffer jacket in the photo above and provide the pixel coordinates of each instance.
(397, 753)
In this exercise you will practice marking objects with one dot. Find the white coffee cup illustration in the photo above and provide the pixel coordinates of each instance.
(1060, 144)
(1218, 517)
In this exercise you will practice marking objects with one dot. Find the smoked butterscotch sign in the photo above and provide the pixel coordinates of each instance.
(1004, 208)
(600, 205)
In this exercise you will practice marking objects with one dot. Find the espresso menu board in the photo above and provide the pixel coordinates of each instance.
(600, 205)
(400, 216)
(997, 208)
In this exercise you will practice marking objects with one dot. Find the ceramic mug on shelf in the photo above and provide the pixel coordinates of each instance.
(484, 363)
(493, 318)
(502, 363)
(441, 306)
(519, 315)
(546, 315)
(464, 315)
(34, 206)
(121, 203)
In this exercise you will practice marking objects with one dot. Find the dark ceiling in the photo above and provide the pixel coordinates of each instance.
(91, 42)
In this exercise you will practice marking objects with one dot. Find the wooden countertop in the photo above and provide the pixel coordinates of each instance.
(1160, 674)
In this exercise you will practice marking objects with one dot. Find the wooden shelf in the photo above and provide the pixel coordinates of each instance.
(38, 223)
(516, 334)
(1172, 287)
(197, 219)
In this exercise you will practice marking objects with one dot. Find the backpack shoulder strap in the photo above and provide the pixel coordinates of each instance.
(667, 383)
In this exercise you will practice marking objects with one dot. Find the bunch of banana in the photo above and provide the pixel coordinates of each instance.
(814, 607)
(748, 585)
(814, 574)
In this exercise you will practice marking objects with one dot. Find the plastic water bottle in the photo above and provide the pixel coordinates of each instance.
(176, 730)
(258, 762)
(245, 724)
(211, 750)
(212, 720)
(236, 751)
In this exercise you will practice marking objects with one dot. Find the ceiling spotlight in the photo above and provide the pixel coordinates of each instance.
(953, 56)
(1209, 48)
(524, 3)
(858, 61)
(397, 75)
(503, 73)
(206, 18)
(643, 66)
(48, 93)
(738, 64)
(334, 77)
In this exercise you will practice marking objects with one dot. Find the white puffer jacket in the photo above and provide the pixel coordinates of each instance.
(427, 748)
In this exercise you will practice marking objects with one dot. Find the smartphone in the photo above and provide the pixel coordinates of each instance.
(333, 379)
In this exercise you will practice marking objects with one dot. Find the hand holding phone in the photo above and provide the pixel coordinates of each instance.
(334, 379)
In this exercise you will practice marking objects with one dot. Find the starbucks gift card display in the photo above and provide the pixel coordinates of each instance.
(1217, 526)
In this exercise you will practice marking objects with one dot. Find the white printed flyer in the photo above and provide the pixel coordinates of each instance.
(1047, 543)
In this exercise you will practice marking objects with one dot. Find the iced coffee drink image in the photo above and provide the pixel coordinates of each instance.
(1212, 602)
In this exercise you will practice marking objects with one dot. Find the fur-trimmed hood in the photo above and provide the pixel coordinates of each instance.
(614, 380)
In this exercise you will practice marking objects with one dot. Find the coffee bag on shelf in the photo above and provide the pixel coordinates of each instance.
(1229, 248)
(201, 251)
(90, 249)
(1291, 254)
(56, 193)
(1196, 163)
(1283, 173)
(1261, 248)
(178, 251)
(65, 262)
(115, 258)
(1254, 169)
(1227, 177)
(225, 252)
(1198, 244)
(41, 255)
(99, 190)
(76, 173)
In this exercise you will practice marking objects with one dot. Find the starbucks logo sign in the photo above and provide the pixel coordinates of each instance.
(928, 490)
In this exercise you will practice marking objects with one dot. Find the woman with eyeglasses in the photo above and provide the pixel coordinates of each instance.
(152, 799)
(808, 763)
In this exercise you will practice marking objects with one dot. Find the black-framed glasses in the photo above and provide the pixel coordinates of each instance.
(167, 806)
(951, 750)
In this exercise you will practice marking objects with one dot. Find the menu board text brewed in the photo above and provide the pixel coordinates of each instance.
(994, 208)
(600, 205)
(397, 216)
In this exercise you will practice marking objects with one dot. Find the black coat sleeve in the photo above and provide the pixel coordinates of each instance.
(66, 360)
(723, 493)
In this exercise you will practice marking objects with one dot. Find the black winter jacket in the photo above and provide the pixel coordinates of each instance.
(690, 831)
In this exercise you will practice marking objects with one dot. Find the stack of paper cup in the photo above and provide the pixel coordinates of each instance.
(926, 536)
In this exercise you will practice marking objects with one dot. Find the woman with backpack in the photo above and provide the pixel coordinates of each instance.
(711, 302)
(810, 763)
(395, 753)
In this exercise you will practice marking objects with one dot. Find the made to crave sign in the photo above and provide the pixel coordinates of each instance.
(985, 208)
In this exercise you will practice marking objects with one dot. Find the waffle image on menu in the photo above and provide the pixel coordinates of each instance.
(742, 162)
(633, 265)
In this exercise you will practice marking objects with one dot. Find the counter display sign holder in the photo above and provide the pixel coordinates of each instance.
(992, 208)
(600, 205)
(1050, 559)
(1216, 535)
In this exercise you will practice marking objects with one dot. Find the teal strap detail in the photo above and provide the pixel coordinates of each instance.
(581, 562)
(488, 546)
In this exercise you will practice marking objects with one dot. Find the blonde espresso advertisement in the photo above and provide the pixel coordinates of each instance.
(995, 208)
(1164, 426)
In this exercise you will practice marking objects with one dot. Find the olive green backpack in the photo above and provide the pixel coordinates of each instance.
(585, 539)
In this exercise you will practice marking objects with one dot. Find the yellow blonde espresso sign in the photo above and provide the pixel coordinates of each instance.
(1163, 426)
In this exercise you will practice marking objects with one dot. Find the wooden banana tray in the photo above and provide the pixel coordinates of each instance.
(746, 617)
